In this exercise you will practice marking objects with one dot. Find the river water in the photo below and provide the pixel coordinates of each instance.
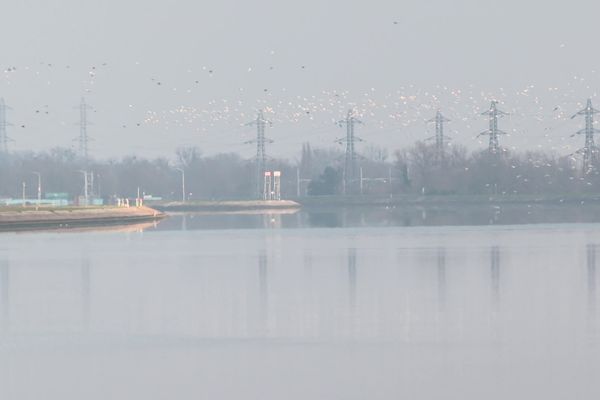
(259, 310)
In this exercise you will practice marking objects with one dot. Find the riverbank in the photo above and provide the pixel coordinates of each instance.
(443, 200)
(19, 218)
(227, 206)
(328, 202)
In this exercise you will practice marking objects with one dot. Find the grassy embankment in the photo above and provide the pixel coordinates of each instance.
(28, 217)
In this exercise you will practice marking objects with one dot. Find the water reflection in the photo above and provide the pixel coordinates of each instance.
(310, 320)
(194, 302)
(263, 293)
(441, 278)
(392, 215)
(352, 289)
(308, 264)
(85, 293)
(591, 284)
(4, 295)
(313, 300)
(441, 316)
(184, 218)
(272, 220)
(495, 277)
(324, 219)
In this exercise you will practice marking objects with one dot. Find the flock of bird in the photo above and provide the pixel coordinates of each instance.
(538, 116)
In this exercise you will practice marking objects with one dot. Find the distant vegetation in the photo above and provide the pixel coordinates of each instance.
(414, 170)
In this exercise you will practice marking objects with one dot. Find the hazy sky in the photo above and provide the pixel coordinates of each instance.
(165, 74)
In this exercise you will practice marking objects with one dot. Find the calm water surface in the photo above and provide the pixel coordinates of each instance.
(179, 311)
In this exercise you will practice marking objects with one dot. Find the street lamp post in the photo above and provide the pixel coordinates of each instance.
(39, 189)
(85, 186)
(182, 184)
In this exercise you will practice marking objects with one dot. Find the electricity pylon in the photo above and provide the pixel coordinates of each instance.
(493, 132)
(350, 168)
(439, 137)
(4, 139)
(261, 156)
(589, 151)
(83, 138)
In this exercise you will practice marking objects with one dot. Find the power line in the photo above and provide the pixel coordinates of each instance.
(350, 168)
(590, 149)
(493, 132)
(261, 156)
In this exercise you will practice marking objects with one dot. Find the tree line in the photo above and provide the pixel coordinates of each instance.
(413, 170)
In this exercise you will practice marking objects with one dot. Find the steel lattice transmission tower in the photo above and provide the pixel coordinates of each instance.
(439, 137)
(350, 168)
(4, 139)
(83, 138)
(590, 150)
(261, 156)
(493, 132)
